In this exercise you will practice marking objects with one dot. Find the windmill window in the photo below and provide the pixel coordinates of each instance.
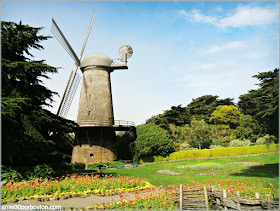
(89, 97)
(90, 80)
(91, 154)
(88, 113)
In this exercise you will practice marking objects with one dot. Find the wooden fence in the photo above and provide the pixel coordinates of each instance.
(212, 198)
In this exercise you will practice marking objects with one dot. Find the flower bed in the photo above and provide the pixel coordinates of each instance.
(161, 201)
(73, 186)
(204, 166)
(168, 172)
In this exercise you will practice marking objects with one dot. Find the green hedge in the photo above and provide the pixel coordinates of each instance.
(218, 152)
(109, 164)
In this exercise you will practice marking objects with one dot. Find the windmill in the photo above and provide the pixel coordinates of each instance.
(95, 138)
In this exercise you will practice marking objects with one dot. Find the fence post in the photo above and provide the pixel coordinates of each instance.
(206, 197)
(181, 197)
(257, 195)
(238, 204)
(225, 196)
(220, 187)
(268, 198)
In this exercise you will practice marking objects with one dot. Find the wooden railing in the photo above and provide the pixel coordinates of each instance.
(212, 198)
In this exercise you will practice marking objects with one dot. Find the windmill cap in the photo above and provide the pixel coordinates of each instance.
(96, 59)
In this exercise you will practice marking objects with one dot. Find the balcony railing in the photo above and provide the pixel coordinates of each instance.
(108, 123)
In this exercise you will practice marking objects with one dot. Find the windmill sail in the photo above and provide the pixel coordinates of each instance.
(63, 41)
(74, 77)
(70, 93)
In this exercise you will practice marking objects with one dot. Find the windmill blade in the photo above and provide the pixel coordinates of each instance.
(69, 94)
(73, 80)
(89, 28)
(63, 41)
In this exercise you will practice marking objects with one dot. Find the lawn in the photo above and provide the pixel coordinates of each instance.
(268, 172)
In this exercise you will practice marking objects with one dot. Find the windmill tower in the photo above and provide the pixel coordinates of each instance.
(95, 138)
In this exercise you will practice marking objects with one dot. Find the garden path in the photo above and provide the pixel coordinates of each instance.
(91, 200)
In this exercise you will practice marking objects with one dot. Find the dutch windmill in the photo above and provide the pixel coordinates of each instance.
(95, 138)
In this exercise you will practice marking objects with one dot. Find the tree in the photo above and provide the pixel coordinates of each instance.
(221, 134)
(202, 107)
(177, 115)
(200, 134)
(262, 103)
(226, 115)
(152, 140)
(248, 128)
(28, 129)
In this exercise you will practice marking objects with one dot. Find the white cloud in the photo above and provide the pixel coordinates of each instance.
(197, 16)
(232, 45)
(242, 16)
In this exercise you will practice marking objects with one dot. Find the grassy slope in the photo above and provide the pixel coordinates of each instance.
(269, 172)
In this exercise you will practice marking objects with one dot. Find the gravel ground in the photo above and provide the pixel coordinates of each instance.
(82, 203)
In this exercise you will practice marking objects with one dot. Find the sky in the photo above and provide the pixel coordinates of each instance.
(181, 49)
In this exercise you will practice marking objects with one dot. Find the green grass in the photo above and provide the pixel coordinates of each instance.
(269, 172)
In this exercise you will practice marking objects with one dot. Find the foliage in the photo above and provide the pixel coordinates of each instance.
(180, 133)
(221, 134)
(108, 164)
(215, 146)
(267, 139)
(201, 108)
(226, 115)
(200, 134)
(177, 115)
(43, 171)
(239, 143)
(248, 128)
(152, 140)
(262, 103)
(219, 152)
(10, 174)
(28, 129)
(74, 185)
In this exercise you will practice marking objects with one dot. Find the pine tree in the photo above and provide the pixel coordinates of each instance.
(28, 129)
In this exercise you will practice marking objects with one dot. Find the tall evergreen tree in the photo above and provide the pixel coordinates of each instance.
(28, 129)
(202, 107)
(262, 103)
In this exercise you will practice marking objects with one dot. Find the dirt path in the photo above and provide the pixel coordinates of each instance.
(91, 200)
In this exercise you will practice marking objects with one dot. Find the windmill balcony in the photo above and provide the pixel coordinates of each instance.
(117, 123)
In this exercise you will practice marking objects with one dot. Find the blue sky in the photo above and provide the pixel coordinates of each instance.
(182, 49)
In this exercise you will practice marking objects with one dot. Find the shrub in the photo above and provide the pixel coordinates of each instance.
(267, 139)
(42, 171)
(10, 174)
(238, 143)
(220, 152)
(109, 164)
(78, 166)
(152, 140)
(215, 146)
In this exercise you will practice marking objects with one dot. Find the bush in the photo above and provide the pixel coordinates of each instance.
(108, 164)
(10, 174)
(238, 143)
(220, 152)
(267, 139)
(42, 171)
(78, 166)
(215, 146)
(151, 140)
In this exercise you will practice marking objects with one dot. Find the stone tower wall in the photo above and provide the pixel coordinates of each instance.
(95, 107)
